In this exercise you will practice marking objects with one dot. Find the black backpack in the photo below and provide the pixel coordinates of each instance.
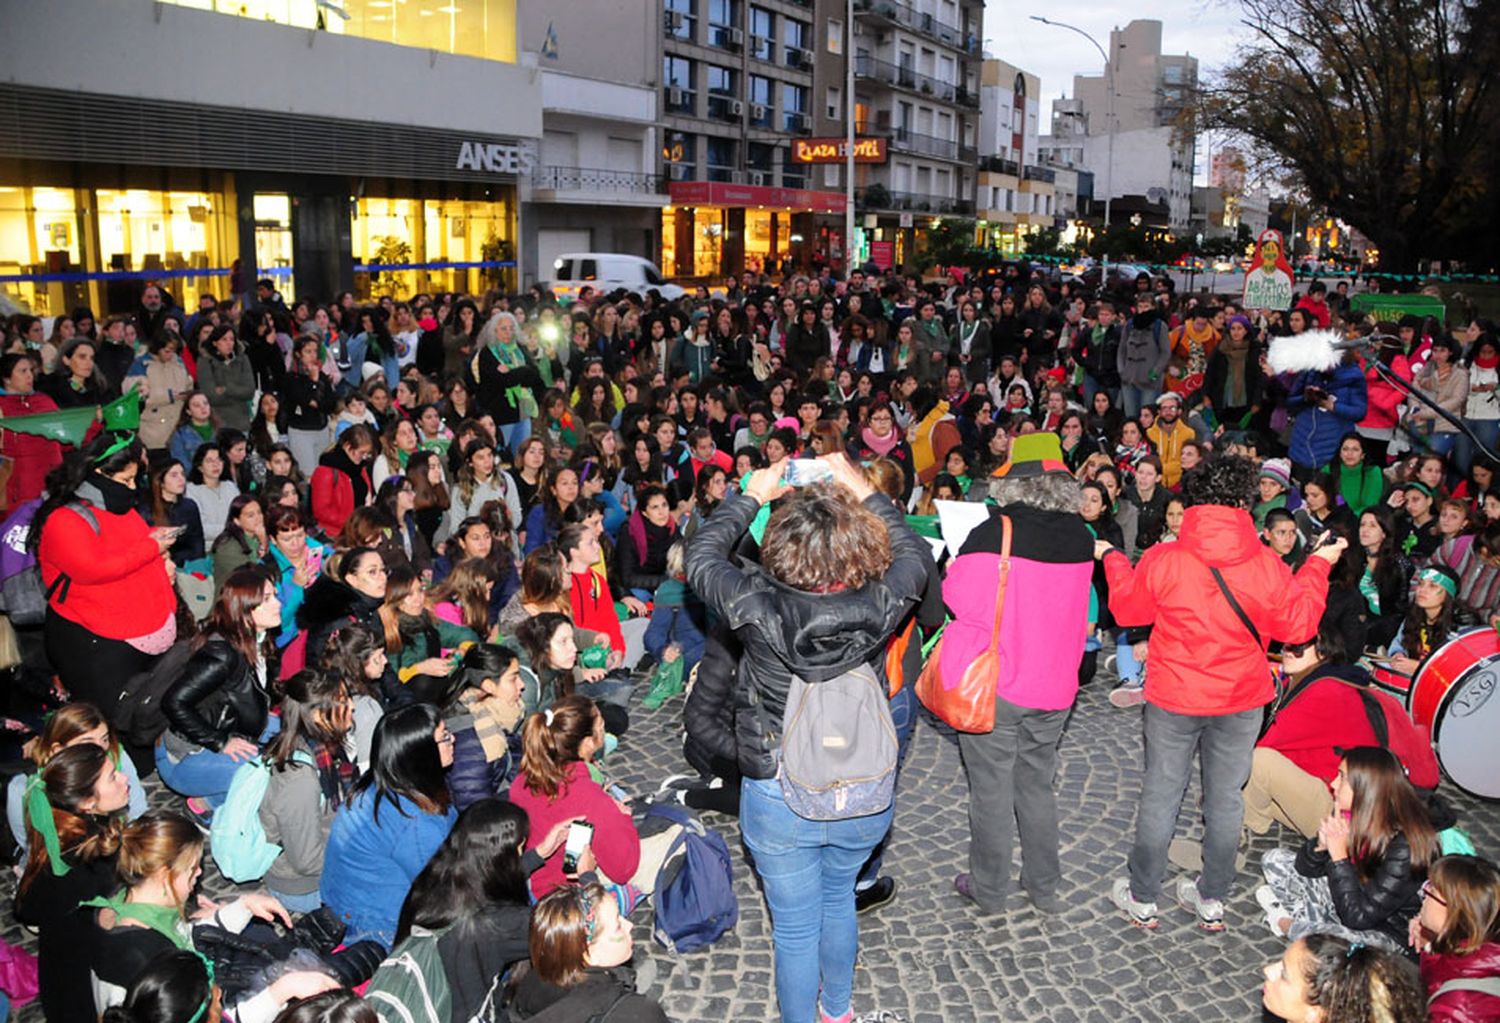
(137, 716)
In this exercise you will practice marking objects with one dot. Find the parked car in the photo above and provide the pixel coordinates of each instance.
(606, 271)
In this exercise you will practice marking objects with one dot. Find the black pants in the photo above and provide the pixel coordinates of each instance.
(95, 669)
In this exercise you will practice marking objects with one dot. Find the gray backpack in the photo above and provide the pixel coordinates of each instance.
(838, 747)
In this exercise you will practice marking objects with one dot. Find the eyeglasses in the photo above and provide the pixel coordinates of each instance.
(1429, 892)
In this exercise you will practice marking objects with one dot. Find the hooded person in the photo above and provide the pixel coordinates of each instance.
(1043, 625)
(1215, 597)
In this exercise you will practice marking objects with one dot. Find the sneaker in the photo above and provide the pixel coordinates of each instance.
(199, 811)
(677, 782)
(1210, 912)
(1112, 663)
(1131, 694)
(878, 894)
(1142, 914)
(882, 1016)
(1265, 895)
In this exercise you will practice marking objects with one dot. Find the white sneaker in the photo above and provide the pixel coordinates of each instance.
(1142, 914)
(1210, 912)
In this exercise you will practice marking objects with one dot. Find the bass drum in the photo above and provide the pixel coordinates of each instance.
(1453, 694)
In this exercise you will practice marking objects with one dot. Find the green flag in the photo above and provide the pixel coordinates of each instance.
(124, 413)
(67, 426)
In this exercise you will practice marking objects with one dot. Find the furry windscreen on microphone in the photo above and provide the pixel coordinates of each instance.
(1313, 349)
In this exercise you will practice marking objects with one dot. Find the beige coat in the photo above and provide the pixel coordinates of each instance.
(167, 384)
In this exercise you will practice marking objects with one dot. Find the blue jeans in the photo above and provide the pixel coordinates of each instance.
(1225, 744)
(904, 716)
(308, 903)
(512, 434)
(681, 625)
(1126, 666)
(1134, 397)
(807, 869)
(205, 774)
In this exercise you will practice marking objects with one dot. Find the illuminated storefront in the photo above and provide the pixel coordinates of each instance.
(712, 228)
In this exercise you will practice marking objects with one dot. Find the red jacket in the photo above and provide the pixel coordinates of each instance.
(1330, 712)
(1201, 658)
(594, 606)
(1317, 309)
(1382, 398)
(333, 492)
(1462, 1006)
(118, 585)
(616, 844)
(31, 457)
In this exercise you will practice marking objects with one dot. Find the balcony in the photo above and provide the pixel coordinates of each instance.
(913, 202)
(965, 98)
(1031, 173)
(929, 145)
(874, 69)
(594, 184)
(893, 12)
(1000, 165)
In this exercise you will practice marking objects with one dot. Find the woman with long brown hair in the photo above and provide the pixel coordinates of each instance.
(416, 640)
(463, 598)
(554, 784)
(544, 587)
(72, 835)
(1361, 875)
(166, 504)
(218, 711)
(430, 493)
(1457, 934)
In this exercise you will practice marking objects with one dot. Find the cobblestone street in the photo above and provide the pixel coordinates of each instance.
(928, 957)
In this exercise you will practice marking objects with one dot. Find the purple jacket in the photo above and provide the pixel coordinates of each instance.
(1046, 605)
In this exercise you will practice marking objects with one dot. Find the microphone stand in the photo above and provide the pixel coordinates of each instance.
(1389, 376)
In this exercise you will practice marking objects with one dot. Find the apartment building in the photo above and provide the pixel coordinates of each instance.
(1016, 195)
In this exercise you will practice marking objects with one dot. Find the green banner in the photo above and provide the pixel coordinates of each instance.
(70, 426)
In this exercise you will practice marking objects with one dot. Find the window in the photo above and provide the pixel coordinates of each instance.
(679, 18)
(760, 156)
(795, 35)
(723, 13)
(794, 107)
(835, 104)
(680, 151)
(762, 34)
(720, 158)
(835, 36)
(721, 81)
(677, 71)
(793, 174)
(762, 102)
(1172, 74)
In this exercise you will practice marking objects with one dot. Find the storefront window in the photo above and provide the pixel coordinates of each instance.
(472, 28)
(768, 235)
(427, 234)
(38, 235)
(692, 241)
(147, 230)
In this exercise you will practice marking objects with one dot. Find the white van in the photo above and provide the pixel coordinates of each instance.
(606, 271)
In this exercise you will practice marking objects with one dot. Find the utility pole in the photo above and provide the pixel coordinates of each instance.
(849, 139)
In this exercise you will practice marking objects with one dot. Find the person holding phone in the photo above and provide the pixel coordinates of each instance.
(1327, 405)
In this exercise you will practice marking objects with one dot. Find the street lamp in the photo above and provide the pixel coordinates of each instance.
(849, 138)
(1109, 116)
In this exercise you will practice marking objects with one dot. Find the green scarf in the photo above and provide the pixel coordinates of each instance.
(39, 811)
(519, 397)
(206, 431)
(161, 919)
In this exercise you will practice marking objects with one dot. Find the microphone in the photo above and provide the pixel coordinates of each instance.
(1320, 350)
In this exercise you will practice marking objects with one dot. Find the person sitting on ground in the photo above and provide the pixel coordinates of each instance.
(356, 656)
(1457, 933)
(1436, 615)
(580, 962)
(1360, 876)
(420, 644)
(1328, 979)
(482, 707)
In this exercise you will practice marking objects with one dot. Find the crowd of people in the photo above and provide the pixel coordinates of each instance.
(396, 575)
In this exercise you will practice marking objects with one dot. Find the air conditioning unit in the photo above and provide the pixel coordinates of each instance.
(798, 57)
(759, 111)
(735, 108)
(734, 38)
(755, 177)
(761, 44)
(676, 97)
(680, 171)
(799, 123)
(672, 20)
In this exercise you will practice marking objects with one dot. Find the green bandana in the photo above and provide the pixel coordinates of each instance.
(1432, 575)
(161, 919)
(39, 812)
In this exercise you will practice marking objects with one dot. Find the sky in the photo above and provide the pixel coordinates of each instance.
(1206, 29)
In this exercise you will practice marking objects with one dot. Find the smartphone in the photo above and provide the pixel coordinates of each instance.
(802, 472)
(580, 834)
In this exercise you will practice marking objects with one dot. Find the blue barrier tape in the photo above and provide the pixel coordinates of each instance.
(79, 276)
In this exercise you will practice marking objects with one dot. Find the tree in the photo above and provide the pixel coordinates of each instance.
(1383, 112)
(948, 243)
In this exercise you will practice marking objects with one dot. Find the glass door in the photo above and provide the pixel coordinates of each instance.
(273, 242)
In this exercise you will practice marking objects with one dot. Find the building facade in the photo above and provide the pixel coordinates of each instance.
(596, 186)
(736, 91)
(1016, 195)
(295, 141)
(1154, 142)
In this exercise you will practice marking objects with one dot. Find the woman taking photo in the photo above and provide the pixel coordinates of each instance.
(296, 561)
(218, 712)
(110, 605)
(554, 784)
(845, 547)
(580, 961)
(211, 491)
(166, 505)
(311, 777)
(398, 816)
(417, 641)
(72, 834)
(482, 707)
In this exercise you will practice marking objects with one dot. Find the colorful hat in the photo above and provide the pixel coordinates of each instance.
(1034, 454)
(1279, 471)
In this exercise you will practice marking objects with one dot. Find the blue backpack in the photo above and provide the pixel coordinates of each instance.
(695, 900)
(236, 836)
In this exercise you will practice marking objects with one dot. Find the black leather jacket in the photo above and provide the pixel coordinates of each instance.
(1385, 903)
(817, 635)
(217, 697)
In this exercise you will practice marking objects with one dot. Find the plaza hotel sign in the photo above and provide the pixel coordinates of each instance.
(834, 150)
